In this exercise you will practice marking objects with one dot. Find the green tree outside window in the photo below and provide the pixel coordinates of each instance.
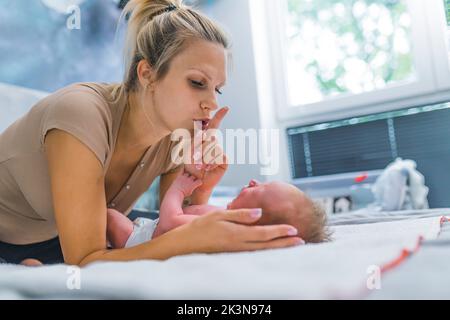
(447, 11)
(347, 46)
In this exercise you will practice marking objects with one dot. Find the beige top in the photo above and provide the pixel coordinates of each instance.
(87, 111)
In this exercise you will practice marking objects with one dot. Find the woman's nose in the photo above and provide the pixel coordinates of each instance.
(209, 105)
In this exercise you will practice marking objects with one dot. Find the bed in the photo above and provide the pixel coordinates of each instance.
(382, 255)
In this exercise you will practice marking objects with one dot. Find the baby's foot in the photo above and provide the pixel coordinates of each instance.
(31, 263)
(186, 184)
(118, 228)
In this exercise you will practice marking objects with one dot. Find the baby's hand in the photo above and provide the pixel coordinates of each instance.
(187, 183)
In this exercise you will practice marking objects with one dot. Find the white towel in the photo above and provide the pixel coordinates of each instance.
(338, 269)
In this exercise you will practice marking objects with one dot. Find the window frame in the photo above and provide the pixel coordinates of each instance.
(430, 52)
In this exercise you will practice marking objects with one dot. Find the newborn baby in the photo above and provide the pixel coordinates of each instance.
(281, 203)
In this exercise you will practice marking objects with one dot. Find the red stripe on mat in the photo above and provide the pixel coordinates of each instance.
(403, 256)
(405, 253)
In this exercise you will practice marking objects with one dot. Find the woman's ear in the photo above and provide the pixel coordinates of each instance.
(144, 73)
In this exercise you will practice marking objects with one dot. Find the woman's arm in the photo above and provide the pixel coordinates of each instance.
(77, 184)
(78, 192)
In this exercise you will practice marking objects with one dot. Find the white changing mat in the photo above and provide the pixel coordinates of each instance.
(338, 269)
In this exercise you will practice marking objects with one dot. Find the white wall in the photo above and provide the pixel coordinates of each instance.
(240, 93)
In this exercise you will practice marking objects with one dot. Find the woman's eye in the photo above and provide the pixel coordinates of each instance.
(201, 85)
(197, 83)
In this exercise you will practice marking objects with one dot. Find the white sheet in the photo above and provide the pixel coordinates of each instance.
(323, 271)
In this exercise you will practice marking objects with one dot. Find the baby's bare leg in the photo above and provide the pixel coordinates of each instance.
(118, 228)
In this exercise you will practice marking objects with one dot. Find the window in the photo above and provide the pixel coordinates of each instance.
(447, 16)
(346, 47)
(330, 56)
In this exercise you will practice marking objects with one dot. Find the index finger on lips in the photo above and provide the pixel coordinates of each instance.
(218, 117)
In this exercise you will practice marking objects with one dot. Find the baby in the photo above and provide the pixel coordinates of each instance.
(281, 203)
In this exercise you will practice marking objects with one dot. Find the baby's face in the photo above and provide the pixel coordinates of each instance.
(248, 196)
(270, 196)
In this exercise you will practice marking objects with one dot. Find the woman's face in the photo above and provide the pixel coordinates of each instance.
(190, 89)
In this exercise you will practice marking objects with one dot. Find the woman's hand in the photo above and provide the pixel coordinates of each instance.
(210, 175)
(230, 231)
(209, 162)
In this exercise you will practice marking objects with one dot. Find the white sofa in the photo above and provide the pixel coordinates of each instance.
(15, 101)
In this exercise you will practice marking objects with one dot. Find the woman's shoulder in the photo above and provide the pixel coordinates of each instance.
(82, 109)
(86, 111)
(85, 97)
(78, 104)
(103, 92)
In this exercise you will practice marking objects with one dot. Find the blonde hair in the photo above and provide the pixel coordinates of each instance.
(309, 218)
(157, 31)
(317, 230)
(306, 215)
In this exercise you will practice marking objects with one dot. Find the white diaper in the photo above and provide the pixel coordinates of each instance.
(143, 230)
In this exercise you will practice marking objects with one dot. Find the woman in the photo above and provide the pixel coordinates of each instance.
(91, 146)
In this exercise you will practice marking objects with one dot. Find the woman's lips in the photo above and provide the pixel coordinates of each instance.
(203, 123)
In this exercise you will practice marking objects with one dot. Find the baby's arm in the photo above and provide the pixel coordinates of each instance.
(171, 213)
(199, 210)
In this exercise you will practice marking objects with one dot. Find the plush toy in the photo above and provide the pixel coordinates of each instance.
(401, 187)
